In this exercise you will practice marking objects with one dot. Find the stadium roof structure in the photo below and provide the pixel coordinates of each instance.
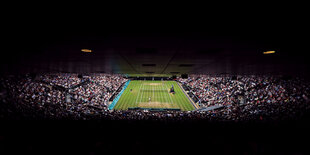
(157, 49)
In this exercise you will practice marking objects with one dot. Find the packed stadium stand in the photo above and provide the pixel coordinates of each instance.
(78, 83)
(245, 98)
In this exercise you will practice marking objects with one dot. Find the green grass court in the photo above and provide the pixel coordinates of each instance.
(153, 94)
(149, 75)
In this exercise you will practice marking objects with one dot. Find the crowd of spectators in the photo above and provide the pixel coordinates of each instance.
(65, 80)
(40, 99)
(98, 89)
(27, 97)
(112, 82)
(213, 90)
(246, 97)
(242, 98)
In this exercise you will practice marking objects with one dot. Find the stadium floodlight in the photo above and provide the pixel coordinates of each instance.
(86, 50)
(269, 52)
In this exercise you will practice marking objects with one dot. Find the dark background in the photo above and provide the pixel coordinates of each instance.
(49, 39)
(224, 41)
(140, 137)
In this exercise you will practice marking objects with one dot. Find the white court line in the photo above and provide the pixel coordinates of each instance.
(156, 97)
(153, 93)
(141, 94)
(153, 90)
(148, 93)
(160, 96)
(165, 96)
(169, 94)
(138, 94)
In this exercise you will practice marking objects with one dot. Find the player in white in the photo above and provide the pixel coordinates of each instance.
(149, 99)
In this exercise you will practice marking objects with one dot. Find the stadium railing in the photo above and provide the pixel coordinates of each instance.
(111, 106)
(189, 97)
(116, 92)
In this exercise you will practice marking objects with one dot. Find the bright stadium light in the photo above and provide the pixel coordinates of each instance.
(269, 52)
(86, 50)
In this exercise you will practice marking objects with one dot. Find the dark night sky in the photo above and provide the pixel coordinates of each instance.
(30, 32)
